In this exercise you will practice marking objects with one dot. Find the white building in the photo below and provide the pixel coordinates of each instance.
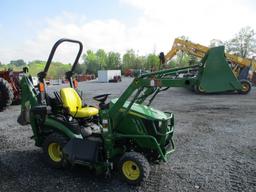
(106, 75)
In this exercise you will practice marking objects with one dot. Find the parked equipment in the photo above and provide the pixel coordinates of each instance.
(215, 73)
(106, 76)
(9, 88)
(200, 51)
(116, 79)
(124, 134)
(85, 77)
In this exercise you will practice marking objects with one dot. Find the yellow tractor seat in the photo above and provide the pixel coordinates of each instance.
(73, 102)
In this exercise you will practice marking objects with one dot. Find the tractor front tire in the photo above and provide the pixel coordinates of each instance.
(134, 168)
(52, 148)
(6, 94)
(246, 87)
(198, 89)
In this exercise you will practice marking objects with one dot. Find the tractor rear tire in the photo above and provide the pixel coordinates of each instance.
(6, 94)
(52, 148)
(246, 87)
(198, 89)
(134, 168)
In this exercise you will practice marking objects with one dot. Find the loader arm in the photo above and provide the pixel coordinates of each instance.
(212, 75)
(200, 51)
(143, 87)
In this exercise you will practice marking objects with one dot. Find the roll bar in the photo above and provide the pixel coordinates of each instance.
(41, 75)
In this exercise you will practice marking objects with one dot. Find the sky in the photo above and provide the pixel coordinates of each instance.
(29, 28)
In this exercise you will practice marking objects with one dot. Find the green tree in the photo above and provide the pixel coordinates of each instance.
(113, 60)
(90, 60)
(81, 69)
(36, 66)
(243, 44)
(182, 58)
(152, 62)
(18, 63)
(57, 70)
(129, 59)
(102, 58)
(171, 64)
(193, 60)
(139, 62)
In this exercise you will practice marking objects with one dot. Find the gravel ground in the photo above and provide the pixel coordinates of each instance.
(215, 137)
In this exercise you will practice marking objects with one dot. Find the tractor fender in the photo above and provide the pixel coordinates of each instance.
(57, 126)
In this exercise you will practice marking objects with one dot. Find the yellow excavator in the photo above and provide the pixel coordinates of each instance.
(197, 50)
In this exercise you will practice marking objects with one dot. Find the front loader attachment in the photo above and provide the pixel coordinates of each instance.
(216, 75)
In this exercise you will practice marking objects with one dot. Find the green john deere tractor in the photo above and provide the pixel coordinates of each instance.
(123, 134)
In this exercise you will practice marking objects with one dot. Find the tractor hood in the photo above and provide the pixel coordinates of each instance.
(143, 111)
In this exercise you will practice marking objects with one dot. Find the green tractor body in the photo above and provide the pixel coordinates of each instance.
(125, 133)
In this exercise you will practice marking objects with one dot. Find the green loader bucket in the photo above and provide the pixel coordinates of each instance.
(216, 75)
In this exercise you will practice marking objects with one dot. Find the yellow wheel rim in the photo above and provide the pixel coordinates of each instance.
(131, 170)
(200, 89)
(54, 152)
(245, 87)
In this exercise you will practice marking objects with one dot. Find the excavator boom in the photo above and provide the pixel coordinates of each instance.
(200, 51)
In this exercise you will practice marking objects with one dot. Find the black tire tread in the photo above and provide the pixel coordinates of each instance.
(249, 84)
(54, 137)
(197, 90)
(8, 96)
(141, 161)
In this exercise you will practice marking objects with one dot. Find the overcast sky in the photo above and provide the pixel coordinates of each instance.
(29, 28)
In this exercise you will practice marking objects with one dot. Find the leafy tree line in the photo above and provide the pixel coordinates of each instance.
(57, 69)
(242, 44)
(101, 60)
(92, 62)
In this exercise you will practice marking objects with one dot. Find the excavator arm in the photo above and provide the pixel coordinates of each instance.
(200, 51)
(186, 46)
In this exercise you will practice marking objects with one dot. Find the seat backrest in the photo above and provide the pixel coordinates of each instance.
(70, 99)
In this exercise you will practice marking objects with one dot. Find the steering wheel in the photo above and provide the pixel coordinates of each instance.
(101, 98)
